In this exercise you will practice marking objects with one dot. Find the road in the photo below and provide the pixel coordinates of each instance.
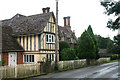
(109, 71)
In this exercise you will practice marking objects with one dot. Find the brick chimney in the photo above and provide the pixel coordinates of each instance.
(67, 22)
(46, 10)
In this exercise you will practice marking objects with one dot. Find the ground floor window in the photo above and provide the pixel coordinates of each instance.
(51, 57)
(28, 58)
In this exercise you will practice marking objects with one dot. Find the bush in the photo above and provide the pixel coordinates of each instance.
(63, 45)
(68, 54)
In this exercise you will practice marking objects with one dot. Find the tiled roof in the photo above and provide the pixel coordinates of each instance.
(68, 35)
(9, 43)
(25, 25)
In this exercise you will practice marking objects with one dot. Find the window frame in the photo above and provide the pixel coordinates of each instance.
(28, 58)
(50, 57)
(50, 38)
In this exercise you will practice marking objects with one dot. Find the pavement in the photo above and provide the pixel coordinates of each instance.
(108, 71)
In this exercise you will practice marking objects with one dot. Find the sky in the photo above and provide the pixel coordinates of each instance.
(82, 12)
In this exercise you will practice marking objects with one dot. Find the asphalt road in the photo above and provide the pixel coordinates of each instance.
(109, 71)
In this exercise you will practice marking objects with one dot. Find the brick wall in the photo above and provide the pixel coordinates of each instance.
(5, 57)
(19, 58)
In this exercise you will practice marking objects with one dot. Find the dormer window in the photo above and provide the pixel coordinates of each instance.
(50, 38)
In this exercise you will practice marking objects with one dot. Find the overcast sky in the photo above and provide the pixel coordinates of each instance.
(82, 13)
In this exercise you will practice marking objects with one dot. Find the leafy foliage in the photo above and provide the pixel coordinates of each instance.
(86, 47)
(90, 31)
(63, 45)
(102, 42)
(68, 54)
(107, 43)
(112, 7)
(117, 40)
(117, 43)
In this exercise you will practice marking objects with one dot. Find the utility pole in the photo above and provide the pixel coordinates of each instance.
(56, 34)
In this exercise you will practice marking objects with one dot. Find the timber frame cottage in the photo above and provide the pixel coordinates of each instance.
(29, 39)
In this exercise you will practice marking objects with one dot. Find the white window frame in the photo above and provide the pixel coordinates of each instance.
(50, 40)
(29, 61)
(52, 58)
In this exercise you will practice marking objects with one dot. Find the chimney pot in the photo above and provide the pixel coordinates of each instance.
(46, 10)
(67, 21)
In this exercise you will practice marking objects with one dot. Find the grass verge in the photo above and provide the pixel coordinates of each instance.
(114, 60)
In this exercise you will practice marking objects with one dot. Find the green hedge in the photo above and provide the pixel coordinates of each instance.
(0, 63)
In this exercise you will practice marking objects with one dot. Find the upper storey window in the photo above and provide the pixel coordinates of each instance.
(50, 38)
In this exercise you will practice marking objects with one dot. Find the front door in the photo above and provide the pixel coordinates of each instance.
(12, 58)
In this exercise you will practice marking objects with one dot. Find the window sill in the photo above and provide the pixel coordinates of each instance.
(50, 42)
(29, 62)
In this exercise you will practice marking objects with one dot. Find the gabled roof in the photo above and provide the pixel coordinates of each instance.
(68, 35)
(9, 43)
(26, 25)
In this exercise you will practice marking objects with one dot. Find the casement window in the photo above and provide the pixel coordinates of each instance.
(50, 38)
(28, 58)
(50, 57)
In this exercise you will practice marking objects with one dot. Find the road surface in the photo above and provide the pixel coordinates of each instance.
(109, 71)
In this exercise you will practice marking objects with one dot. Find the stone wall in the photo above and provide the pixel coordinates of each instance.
(73, 64)
(31, 69)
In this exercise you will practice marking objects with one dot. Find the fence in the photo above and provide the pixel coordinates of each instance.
(19, 70)
(31, 69)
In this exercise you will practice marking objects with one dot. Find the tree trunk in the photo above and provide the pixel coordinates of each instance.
(88, 61)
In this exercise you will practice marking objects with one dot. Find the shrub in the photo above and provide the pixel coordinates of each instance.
(63, 45)
(68, 54)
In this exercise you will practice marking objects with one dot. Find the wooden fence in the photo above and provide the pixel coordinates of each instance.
(31, 69)
(19, 70)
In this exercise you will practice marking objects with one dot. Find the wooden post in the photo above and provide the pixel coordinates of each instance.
(56, 34)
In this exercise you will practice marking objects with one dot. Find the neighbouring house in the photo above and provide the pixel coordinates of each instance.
(66, 34)
(29, 39)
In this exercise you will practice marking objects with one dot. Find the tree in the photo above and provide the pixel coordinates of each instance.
(117, 42)
(110, 46)
(90, 31)
(68, 54)
(63, 45)
(102, 42)
(112, 7)
(107, 43)
(86, 47)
